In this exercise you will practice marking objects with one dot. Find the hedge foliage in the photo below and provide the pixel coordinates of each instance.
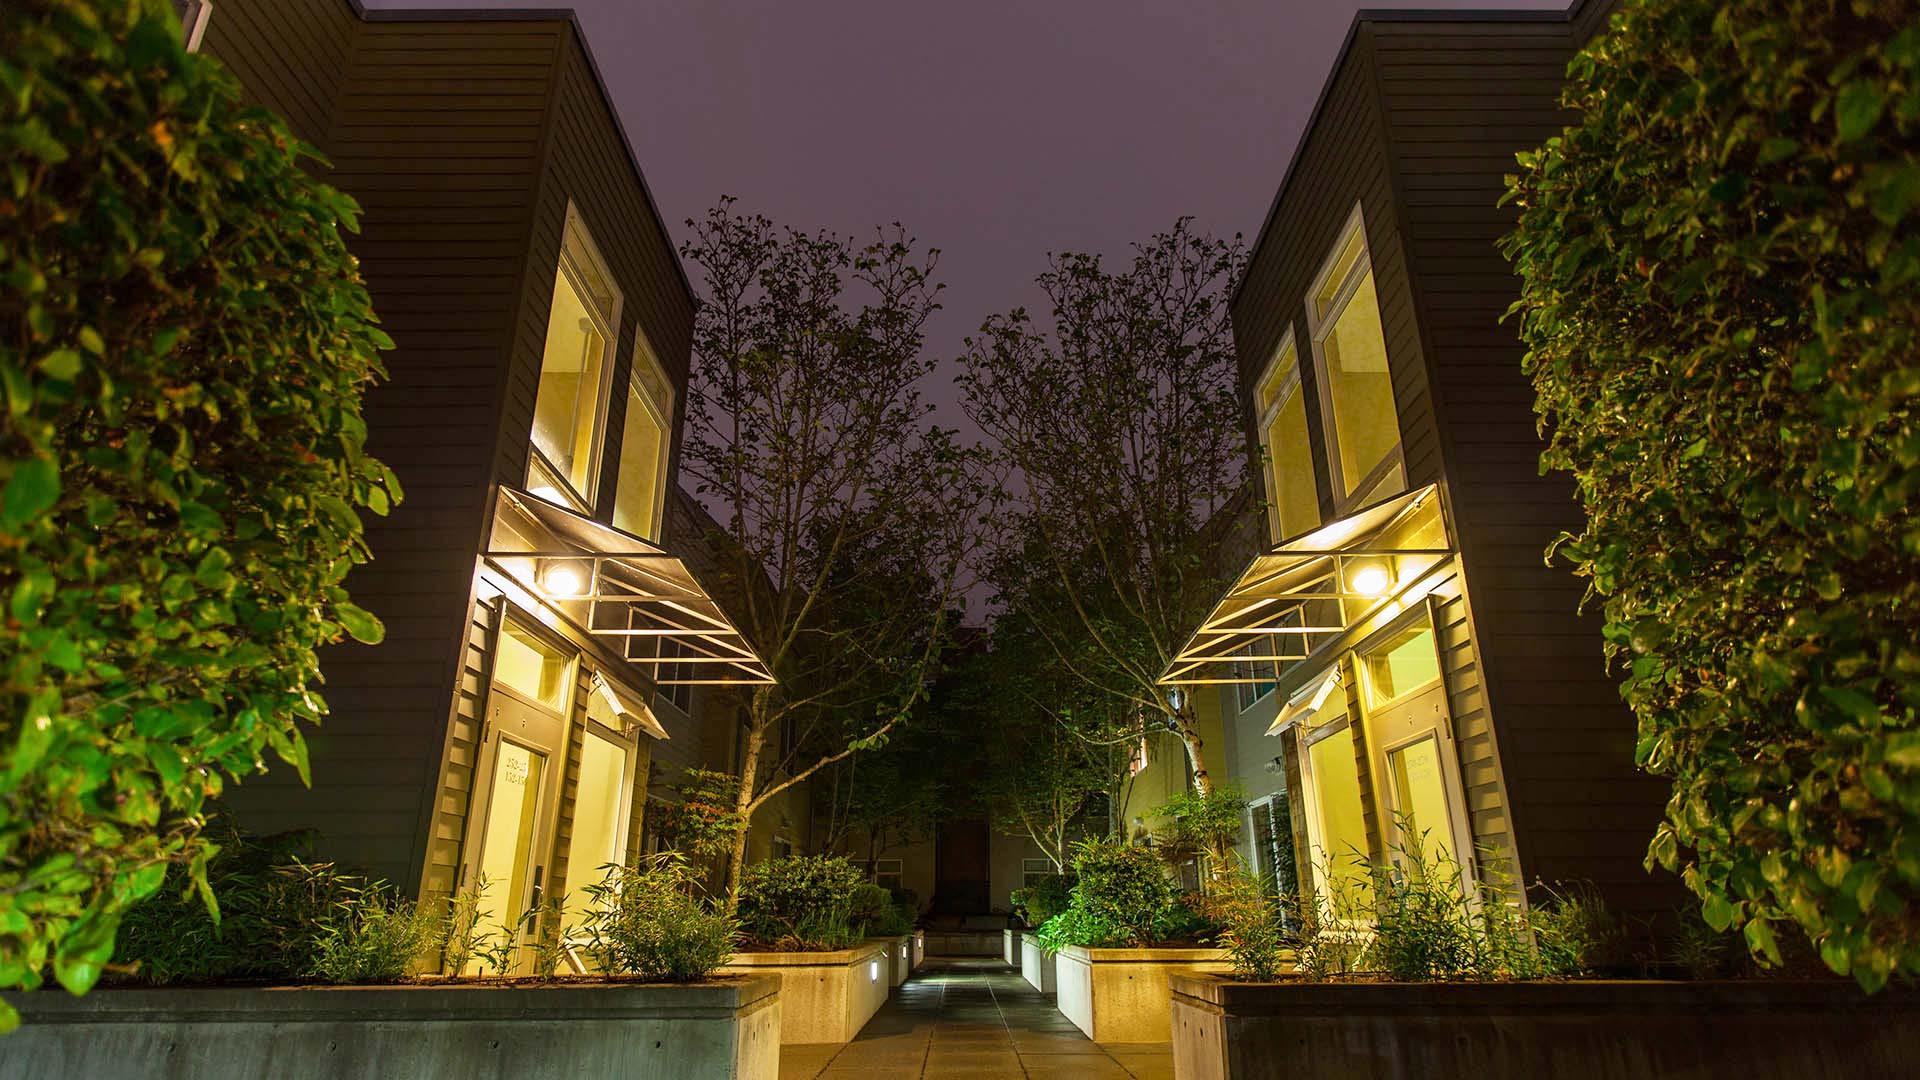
(184, 341)
(1721, 301)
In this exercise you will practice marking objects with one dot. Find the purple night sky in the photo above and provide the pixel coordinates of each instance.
(994, 130)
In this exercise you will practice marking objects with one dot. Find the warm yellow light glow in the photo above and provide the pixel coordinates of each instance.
(1370, 579)
(562, 579)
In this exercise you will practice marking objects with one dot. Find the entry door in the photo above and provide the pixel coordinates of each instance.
(517, 781)
(1423, 779)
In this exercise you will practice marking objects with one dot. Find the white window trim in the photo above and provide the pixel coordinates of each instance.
(1260, 690)
(1364, 489)
(193, 22)
(1293, 385)
(577, 232)
(648, 381)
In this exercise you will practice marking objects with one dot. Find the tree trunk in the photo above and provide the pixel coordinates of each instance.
(743, 800)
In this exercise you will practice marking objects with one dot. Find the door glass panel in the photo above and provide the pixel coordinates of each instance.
(599, 820)
(533, 668)
(506, 852)
(1403, 663)
(1420, 799)
(1343, 825)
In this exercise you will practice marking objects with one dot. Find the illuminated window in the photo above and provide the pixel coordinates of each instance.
(530, 667)
(1350, 351)
(1336, 816)
(639, 497)
(1293, 507)
(1403, 663)
(569, 407)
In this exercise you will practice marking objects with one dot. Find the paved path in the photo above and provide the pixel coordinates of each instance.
(973, 1019)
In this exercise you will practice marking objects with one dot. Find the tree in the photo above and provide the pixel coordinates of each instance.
(1720, 274)
(186, 344)
(1122, 424)
(849, 520)
(1051, 757)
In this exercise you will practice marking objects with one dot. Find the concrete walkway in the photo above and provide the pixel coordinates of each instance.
(975, 1019)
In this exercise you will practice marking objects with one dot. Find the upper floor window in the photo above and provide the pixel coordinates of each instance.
(1293, 505)
(1350, 351)
(570, 406)
(639, 497)
(1248, 693)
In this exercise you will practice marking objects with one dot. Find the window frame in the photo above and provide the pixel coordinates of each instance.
(898, 873)
(1028, 874)
(1293, 385)
(1260, 690)
(577, 245)
(1365, 489)
(193, 15)
(647, 383)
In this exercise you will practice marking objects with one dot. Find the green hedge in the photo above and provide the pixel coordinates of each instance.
(184, 340)
(1721, 288)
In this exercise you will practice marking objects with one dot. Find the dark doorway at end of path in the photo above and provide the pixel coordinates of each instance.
(963, 869)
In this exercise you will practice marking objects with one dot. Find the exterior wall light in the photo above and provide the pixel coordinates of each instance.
(563, 579)
(873, 971)
(1370, 578)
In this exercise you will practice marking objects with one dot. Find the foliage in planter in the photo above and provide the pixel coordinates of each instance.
(872, 911)
(185, 347)
(648, 919)
(282, 918)
(1122, 895)
(1720, 272)
(703, 822)
(1578, 933)
(1037, 903)
(1253, 927)
(1202, 821)
(800, 902)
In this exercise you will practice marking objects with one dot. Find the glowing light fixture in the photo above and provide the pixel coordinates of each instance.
(1370, 578)
(873, 970)
(563, 579)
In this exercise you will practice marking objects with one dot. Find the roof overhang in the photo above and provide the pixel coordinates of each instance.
(1306, 594)
(631, 594)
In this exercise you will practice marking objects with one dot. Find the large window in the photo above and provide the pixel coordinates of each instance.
(1293, 504)
(1350, 349)
(1336, 813)
(639, 498)
(569, 407)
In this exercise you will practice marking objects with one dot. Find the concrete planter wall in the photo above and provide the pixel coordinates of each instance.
(1010, 947)
(965, 942)
(1037, 965)
(727, 1027)
(824, 996)
(1122, 995)
(919, 948)
(1758, 1030)
(899, 958)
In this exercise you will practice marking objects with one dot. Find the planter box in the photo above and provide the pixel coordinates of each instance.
(899, 958)
(727, 1027)
(919, 948)
(966, 942)
(1757, 1030)
(1010, 947)
(1122, 995)
(825, 997)
(1037, 965)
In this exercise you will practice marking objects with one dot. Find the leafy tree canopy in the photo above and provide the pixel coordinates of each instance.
(186, 340)
(1721, 301)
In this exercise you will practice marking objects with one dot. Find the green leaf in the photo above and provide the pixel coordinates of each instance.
(31, 491)
(62, 364)
(9, 1017)
(360, 623)
(1760, 939)
(1856, 109)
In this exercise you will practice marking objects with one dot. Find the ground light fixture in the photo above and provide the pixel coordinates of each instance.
(1370, 578)
(563, 578)
(873, 970)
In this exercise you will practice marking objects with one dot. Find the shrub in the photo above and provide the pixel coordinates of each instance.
(1207, 823)
(800, 902)
(1078, 926)
(648, 920)
(371, 935)
(185, 345)
(1578, 933)
(1720, 271)
(1253, 927)
(1123, 887)
(706, 819)
(870, 909)
(1044, 899)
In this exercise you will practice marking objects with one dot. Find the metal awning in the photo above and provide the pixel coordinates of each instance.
(616, 586)
(1307, 592)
